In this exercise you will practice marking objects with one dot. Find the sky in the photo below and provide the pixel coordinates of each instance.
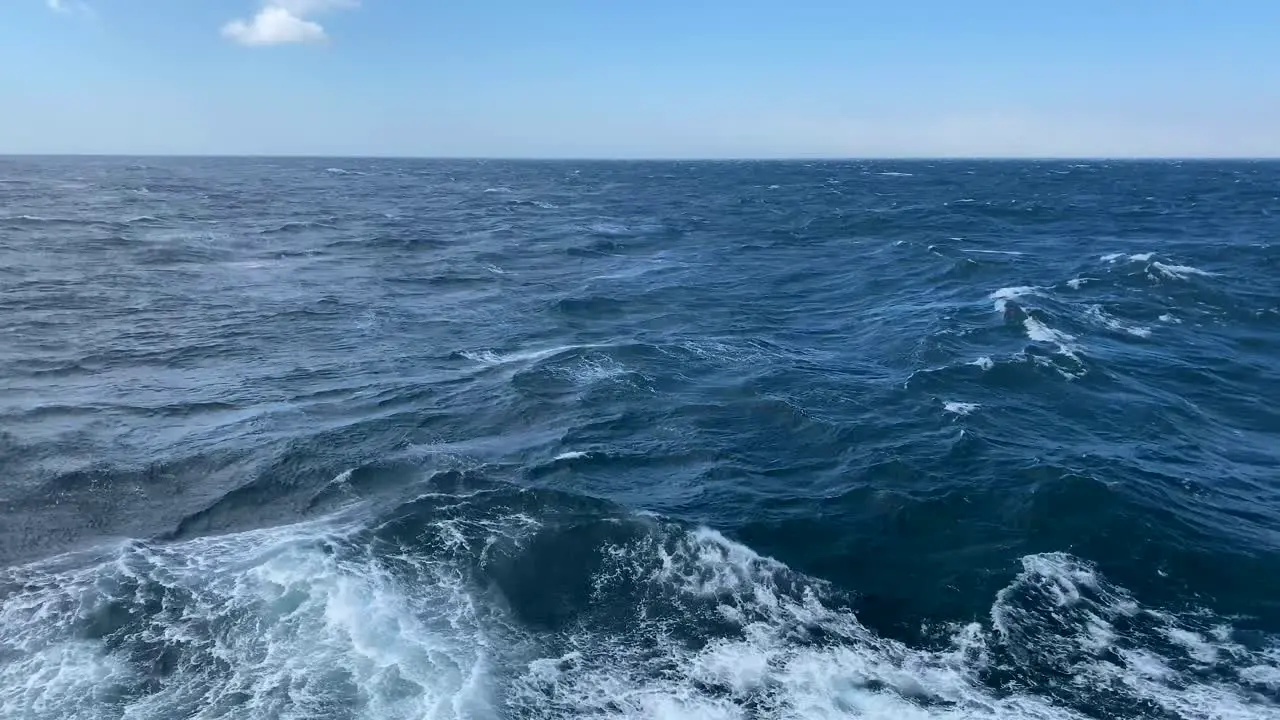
(632, 79)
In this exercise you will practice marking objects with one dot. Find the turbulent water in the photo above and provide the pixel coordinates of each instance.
(424, 439)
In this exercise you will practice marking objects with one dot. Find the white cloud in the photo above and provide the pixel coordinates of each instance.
(282, 22)
(68, 7)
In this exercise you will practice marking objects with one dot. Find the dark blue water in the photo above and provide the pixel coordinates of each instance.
(412, 439)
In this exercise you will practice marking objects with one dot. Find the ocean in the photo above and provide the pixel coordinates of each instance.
(383, 439)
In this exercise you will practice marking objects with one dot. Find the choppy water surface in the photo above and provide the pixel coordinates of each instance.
(411, 439)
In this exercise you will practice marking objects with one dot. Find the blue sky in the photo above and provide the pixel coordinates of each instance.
(661, 78)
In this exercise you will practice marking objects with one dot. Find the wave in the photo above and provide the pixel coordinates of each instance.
(1156, 268)
(1097, 314)
(1116, 257)
(41, 220)
(452, 606)
(1004, 295)
(984, 363)
(1039, 332)
(32, 219)
(1178, 272)
(591, 370)
(491, 357)
(295, 226)
(960, 408)
(143, 220)
(1012, 253)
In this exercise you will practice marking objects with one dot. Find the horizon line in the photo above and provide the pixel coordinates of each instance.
(689, 158)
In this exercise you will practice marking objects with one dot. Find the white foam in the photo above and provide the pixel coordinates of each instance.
(1056, 608)
(1063, 609)
(1267, 674)
(1178, 272)
(571, 455)
(591, 370)
(275, 623)
(1039, 332)
(1004, 295)
(27, 218)
(490, 357)
(984, 362)
(895, 174)
(1135, 257)
(1075, 283)
(992, 252)
(305, 621)
(1048, 363)
(1196, 644)
(611, 229)
(499, 189)
(1101, 317)
(1167, 318)
(960, 408)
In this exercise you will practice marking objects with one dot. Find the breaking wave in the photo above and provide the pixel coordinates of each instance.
(465, 606)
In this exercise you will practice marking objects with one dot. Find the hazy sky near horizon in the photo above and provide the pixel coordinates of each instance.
(661, 78)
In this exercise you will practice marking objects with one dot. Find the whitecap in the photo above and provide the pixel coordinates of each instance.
(993, 252)
(1004, 295)
(609, 229)
(1049, 364)
(491, 357)
(984, 362)
(1039, 332)
(1178, 272)
(1167, 318)
(1136, 257)
(960, 408)
(1058, 611)
(309, 621)
(1096, 313)
(895, 174)
(591, 370)
(251, 621)
(570, 455)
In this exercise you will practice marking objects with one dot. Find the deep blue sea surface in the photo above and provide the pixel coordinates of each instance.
(424, 439)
